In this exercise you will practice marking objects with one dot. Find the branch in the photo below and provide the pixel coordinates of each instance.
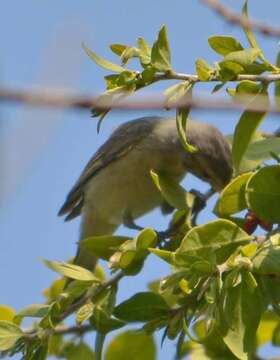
(201, 202)
(236, 19)
(172, 75)
(91, 295)
(57, 99)
(47, 98)
(147, 101)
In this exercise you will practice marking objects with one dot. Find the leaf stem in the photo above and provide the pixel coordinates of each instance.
(99, 342)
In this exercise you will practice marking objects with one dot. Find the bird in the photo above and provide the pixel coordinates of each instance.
(117, 180)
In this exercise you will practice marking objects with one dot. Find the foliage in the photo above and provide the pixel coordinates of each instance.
(221, 299)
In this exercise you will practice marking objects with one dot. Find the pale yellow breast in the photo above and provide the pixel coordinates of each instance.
(126, 185)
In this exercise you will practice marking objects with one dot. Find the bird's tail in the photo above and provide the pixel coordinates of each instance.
(92, 226)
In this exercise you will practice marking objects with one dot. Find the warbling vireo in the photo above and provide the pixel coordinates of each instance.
(117, 179)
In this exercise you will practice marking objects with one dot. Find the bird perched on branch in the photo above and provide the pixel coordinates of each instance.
(117, 179)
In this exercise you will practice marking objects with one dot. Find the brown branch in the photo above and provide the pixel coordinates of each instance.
(145, 101)
(67, 330)
(236, 19)
(47, 98)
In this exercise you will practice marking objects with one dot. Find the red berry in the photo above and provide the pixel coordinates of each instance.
(265, 225)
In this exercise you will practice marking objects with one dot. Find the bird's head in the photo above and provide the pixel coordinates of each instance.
(212, 161)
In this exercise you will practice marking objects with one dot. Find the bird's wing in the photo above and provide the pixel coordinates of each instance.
(123, 140)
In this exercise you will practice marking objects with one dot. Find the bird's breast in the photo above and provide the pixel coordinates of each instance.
(126, 186)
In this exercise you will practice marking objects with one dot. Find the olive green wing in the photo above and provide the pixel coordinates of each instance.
(122, 141)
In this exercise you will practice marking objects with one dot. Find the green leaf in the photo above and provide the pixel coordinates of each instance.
(250, 280)
(165, 255)
(184, 286)
(228, 70)
(276, 336)
(9, 335)
(257, 68)
(128, 53)
(173, 192)
(117, 93)
(245, 130)
(103, 323)
(144, 52)
(248, 164)
(55, 289)
(126, 78)
(262, 149)
(214, 234)
(143, 306)
(7, 313)
(203, 70)
(271, 291)
(35, 310)
(78, 351)
(212, 348)
(118, 49)
(218, 87)
(248, 87)
(224, 45)
(243, 57)
(241, 314)
(148, 75)
(267, 327)
(55, 345)
(277, 83)
(102, 62)
(71, 271)
(103, 246)
(145, 239)
(165, 288)
(249, 250)
(181, 122)
(232, 198)
(248, 32)
(207, 245)
(176, 93)
(151, 326)
(40, 353)
(112, 81)
(263, 193)
(127, 258)
(160, 56)
(175, 325)
(267, 261)
(84, 313)
(99, 272)
(133, 344)
(131, 254)
(76, 288)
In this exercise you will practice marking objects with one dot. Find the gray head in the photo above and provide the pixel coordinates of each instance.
(212, 162)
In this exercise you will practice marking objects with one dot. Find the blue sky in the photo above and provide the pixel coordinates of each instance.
(43, 150)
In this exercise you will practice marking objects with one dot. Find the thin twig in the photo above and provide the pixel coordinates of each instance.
(139, 102)
(237, 19)
(200, 203)
(91, 295)
(46, 98)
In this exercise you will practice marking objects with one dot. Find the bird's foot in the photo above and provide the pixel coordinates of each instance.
(200, 202)
(129, 222)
